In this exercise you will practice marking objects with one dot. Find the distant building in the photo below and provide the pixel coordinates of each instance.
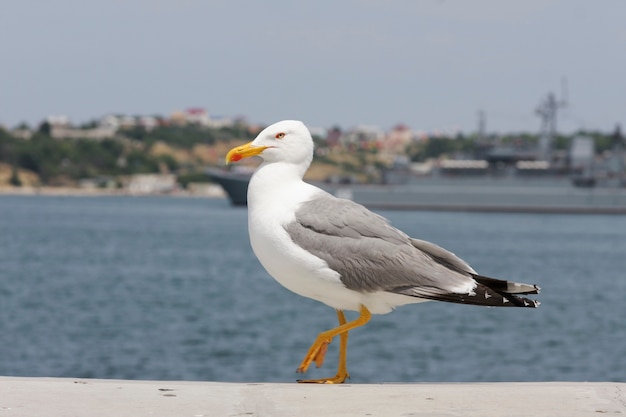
(218, 122)
(128, 122)
(178, 118)
(333, 137)
(110, 122)
(363, 135)
(582, 152)
(152, 184)
(25, 134)
(197, 116)
(58, 121)
(70, 133)
(148, 122)
(396, 140)
(114, 122)
(61, 128)
(200, 117)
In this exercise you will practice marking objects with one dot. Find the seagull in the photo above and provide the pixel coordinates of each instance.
(338, 252)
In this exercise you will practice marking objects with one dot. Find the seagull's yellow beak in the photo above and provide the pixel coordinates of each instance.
(244, 151)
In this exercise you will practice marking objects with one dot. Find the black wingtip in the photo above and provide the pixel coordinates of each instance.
(481, 295)
(509, 287)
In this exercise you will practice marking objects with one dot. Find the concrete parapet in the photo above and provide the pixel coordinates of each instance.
(56, 397)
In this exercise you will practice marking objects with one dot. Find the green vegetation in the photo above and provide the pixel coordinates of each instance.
(470, 145)
(53, 159)
(435, 147)
(65, 161)
(187, 136)
(134, 150)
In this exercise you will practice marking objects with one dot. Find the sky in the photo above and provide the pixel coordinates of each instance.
(429, 64)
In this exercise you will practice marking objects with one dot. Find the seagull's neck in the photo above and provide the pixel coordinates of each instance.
(276, 176)
(278, 183)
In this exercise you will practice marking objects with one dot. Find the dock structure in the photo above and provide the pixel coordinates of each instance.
(66, 397)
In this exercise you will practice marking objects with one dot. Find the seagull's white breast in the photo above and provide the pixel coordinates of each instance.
(270, 208)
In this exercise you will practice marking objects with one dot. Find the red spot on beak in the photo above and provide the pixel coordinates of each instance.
(236, 157)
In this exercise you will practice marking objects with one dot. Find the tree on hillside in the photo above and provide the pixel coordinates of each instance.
(45, 128)
(15, 178)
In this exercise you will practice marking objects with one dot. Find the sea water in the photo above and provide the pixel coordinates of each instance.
(168, 288)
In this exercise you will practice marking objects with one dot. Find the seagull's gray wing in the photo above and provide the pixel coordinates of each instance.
(371, 255)
(443, 256)
(368, 253)
(455, 263)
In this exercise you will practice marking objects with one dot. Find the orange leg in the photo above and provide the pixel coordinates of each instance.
(318, 349)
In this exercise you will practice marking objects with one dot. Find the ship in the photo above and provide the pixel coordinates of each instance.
(530, 195)
(234, 182)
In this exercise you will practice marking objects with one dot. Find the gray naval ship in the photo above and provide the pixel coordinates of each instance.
(480, 185)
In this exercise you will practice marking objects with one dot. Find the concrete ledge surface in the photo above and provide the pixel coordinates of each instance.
(61, 397)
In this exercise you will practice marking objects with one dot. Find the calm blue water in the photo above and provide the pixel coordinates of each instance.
(168, 288)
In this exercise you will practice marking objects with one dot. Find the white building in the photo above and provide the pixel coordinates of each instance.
(152, 183)
(363, 134)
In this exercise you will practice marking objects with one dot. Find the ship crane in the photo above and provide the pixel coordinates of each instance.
(547, 111)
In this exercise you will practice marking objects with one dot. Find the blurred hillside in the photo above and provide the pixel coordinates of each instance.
(115, 152)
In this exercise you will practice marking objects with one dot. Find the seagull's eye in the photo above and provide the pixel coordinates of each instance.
(280, 135)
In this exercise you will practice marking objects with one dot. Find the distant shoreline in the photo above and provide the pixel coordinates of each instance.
(102, 192)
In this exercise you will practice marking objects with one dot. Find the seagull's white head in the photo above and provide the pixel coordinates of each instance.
(288, 141)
